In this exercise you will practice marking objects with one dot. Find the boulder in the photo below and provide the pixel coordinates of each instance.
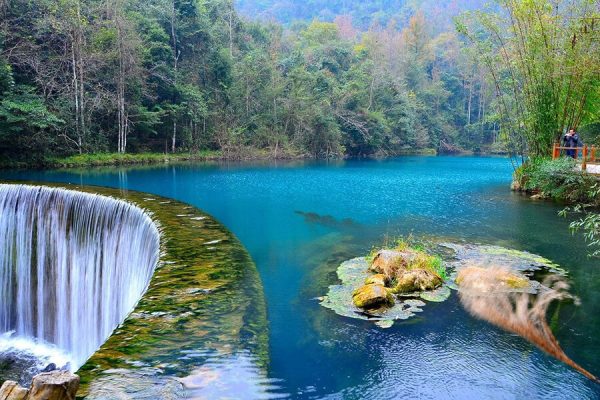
(55, 385)
(372, 296)
(417, 280)
(378, 279)
(11, 390)
(388, 262)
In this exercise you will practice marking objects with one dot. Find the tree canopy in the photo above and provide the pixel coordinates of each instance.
(84, 76)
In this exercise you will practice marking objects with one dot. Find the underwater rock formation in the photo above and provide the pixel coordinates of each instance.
(503, 279)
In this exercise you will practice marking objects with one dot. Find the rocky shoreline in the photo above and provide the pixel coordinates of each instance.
(54, 385)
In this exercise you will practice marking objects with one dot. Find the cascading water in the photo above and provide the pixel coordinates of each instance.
(72, 265)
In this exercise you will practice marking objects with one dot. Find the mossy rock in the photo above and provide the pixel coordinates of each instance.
(387, 260)
(372, 296)
(352, 274)
(378, 279)
(417, 280)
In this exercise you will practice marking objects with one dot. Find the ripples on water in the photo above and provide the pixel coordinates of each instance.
(290, 218)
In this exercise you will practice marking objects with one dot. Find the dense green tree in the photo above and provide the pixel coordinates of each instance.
(188, 75)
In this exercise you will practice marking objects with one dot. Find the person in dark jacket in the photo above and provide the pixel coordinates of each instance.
(571, 140)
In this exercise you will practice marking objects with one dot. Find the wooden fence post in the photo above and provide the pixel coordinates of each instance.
(593, 156)
(584, 157)
(555, 151)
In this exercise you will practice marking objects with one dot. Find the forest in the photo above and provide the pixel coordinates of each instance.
(189, 76)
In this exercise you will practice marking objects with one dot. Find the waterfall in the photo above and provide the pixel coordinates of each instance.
(72, 265)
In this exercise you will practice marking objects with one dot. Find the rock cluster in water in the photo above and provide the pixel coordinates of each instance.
(396, 272)
(390, 287)
(396, 283)
(521, 271)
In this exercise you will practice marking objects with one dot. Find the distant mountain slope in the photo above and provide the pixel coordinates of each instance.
(364, 13)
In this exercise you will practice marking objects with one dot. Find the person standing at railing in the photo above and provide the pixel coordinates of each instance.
(572, 141)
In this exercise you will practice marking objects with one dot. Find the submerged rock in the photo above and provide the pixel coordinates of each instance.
(522, 271)
(503, 279)
(372, 296)
(467, 255)
(438, 295)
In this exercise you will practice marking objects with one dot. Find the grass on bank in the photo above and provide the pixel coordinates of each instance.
(100, 159)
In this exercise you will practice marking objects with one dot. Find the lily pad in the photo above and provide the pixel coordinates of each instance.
(438, 295)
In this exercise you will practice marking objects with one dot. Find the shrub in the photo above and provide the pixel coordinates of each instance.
(558, 179)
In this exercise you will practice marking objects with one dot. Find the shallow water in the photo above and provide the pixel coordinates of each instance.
(300, 220)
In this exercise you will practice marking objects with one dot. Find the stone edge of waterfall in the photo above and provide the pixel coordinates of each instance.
(66, 232)
(205, 300)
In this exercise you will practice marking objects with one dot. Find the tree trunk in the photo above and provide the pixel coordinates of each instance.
(174, 136)
(175, 60)
(469, 103)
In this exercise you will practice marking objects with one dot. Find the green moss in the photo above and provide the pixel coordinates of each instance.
(559, 179)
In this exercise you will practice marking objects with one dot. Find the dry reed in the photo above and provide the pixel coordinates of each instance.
(520, 313)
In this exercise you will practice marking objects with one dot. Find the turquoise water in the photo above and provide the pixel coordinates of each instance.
(300, 220)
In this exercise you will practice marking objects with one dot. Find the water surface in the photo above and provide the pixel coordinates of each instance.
(300, 220)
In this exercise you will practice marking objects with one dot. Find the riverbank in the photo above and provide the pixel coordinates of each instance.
(560, 180)
(119, 159)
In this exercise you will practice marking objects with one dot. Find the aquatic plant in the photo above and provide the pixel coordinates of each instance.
(519, 313)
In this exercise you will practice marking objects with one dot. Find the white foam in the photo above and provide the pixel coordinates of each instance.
(46, 353)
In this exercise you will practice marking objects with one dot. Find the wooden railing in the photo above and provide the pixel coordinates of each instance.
(588, 153)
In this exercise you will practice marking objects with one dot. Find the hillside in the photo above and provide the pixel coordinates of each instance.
(363, 13)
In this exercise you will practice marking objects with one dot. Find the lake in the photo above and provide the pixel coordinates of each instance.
(300, 220)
